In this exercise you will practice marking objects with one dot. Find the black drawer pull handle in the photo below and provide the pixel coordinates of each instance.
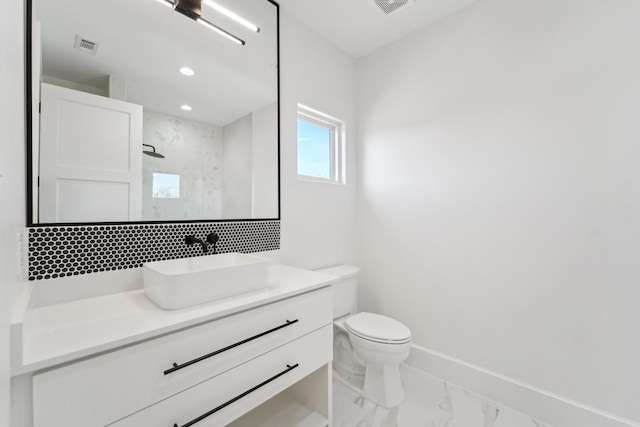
(238, 397)
(229, 347)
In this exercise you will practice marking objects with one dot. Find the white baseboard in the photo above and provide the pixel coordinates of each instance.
(555, 410)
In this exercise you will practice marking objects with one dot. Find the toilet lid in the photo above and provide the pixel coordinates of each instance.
(375, 327)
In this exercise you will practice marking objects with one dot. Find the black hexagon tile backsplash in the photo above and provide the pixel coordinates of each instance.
(73, 250)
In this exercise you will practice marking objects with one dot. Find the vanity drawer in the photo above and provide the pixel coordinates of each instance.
(106, 388)
(235, 392)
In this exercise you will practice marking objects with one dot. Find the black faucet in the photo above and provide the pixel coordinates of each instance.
(212, 239)
(192, 240)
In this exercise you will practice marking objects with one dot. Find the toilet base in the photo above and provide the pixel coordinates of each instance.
(383, 385)
(344, 360)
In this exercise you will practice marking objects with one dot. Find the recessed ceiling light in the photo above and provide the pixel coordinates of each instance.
(186, 107)
(187, 71)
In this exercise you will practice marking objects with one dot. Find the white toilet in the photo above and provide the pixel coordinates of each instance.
(376, 343)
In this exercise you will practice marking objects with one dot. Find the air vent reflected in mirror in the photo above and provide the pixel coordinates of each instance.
(86, 45)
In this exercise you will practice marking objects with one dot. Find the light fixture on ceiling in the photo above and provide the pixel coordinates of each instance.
(193, 9)
(229, 14)
(189, 8)
(186, 107)
(186, 71)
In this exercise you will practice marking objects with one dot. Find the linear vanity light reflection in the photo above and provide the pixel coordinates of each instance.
(229, 14)
(166, 3)
(220, 31)
(192, 9)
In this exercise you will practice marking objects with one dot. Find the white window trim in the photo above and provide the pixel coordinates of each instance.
(337, 132)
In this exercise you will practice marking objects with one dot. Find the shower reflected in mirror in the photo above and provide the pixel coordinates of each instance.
(152, 153)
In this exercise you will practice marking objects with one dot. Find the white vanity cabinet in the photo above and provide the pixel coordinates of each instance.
(204, 375)
(222, 399)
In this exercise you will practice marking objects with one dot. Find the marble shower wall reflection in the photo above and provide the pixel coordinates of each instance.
(430, 402)
(211, 172)
(188, 180)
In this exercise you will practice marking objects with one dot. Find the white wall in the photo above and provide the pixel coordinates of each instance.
(318, 220)
(12, 179)
(499, 204)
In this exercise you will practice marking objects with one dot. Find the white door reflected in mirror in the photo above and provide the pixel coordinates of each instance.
(90, 157)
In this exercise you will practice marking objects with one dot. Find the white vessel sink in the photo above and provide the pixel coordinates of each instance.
(179, 283)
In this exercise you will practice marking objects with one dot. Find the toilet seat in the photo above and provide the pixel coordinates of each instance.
(378, 328)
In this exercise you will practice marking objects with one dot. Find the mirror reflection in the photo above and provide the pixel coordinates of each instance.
(154, 111)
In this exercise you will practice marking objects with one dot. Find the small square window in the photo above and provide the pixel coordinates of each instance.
(166, 186)
(320, 146)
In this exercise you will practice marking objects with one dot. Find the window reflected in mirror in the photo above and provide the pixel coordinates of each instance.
(166, 186)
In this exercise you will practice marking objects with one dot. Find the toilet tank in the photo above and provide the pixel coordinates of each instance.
(345, 291)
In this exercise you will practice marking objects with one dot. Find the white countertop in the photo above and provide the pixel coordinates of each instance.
(59, 333)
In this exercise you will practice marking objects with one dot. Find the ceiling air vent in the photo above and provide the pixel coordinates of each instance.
(86, 45)
(388, 6)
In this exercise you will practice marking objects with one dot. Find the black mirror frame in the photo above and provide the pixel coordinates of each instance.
(28, 67)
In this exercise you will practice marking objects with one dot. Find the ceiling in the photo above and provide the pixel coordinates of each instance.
(359, 27)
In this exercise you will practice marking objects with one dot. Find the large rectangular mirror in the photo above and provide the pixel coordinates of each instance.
(152, 110)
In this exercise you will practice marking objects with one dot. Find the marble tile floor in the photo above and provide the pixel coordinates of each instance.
(430, 402)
